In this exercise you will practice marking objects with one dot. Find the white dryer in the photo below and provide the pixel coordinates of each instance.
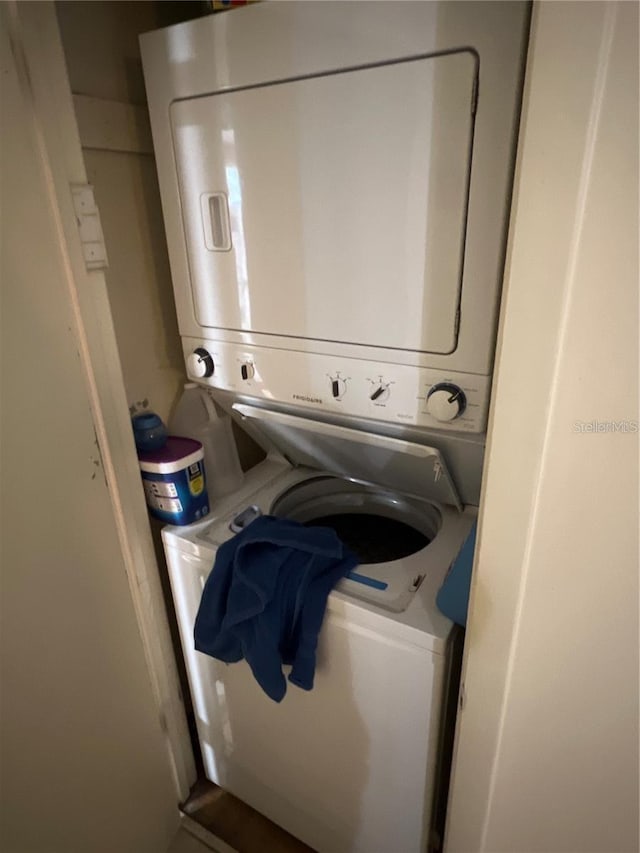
(335, 181)
(350, 765)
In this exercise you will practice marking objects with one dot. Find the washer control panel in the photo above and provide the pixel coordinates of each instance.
(397, 393)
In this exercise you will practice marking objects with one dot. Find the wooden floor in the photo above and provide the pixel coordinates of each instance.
(237, 823)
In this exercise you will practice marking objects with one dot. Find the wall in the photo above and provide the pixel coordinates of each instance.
(103, 61)
(84, 762)
(547, 745)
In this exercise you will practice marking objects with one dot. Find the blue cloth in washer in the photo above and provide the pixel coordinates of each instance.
(265, 599)
(453, 596)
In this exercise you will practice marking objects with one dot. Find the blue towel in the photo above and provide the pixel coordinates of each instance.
(453, 596)
(265, 599)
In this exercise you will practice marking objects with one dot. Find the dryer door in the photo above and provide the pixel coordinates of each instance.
(331, 207)
(402, 466)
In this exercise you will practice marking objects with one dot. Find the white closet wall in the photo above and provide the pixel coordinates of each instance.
(103, 62)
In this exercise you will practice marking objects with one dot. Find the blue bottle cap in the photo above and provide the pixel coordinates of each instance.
(149, 431)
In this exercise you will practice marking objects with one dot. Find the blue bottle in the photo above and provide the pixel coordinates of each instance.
(149, 431)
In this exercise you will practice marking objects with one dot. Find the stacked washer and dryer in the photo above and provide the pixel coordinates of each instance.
(335, 182)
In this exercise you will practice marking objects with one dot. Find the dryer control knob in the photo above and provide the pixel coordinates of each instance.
(338, 387)
(247, 370)
(200, 364)
(446, 402)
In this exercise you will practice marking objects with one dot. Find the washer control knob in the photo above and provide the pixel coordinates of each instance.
(200, 364)
(446, 402)
(379, 393)
(338, 387)
(247, 370)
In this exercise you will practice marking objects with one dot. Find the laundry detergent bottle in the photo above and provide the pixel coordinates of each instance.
(197, 417)
(172, 471)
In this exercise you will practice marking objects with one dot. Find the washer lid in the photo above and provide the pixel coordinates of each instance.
(402, 466)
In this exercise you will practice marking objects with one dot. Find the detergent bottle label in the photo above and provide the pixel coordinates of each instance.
(195, 476)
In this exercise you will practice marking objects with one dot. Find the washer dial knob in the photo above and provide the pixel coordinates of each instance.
(446, 402)
(200, 364)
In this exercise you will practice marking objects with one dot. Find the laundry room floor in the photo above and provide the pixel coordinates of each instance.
(236, 823)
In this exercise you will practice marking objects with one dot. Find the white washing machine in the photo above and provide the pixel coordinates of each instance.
(350, 765)
(335, 183)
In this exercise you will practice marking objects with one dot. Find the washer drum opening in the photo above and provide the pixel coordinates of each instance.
(377, 526)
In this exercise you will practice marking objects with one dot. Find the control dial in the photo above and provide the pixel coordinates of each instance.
(379, 392)
(247, 370)
(446, 402)
(200, 364)
(338, 387)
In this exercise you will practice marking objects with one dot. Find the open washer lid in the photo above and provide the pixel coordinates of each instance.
(402, 466)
